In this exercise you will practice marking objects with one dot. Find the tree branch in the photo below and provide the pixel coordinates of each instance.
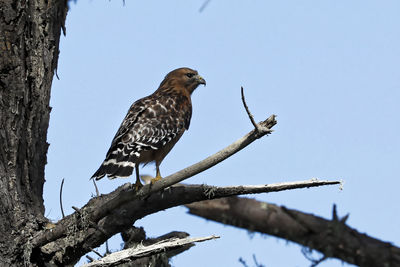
(109, 214)
(124, 193)
(248, 111)
(61, 203)
(209, 162)
(134, 236)
(333, 237)
(145, 251)
(80, 231)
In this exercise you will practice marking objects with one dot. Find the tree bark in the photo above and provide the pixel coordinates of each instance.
(134, 237)
(143, 252)
(29, 45)
(333, 237)
(109, 214)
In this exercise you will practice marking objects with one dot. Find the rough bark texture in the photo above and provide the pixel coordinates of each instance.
(29, 38)
(29, 47)
(140, 251)
(109, 214)
(333, 237)
(134, 237)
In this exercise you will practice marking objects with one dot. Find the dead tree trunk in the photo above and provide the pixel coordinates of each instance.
(29, 39)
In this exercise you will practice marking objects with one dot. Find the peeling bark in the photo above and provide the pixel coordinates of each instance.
(140, 251)
(135, 236)
(29, 38)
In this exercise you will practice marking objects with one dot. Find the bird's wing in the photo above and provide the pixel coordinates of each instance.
(157, 124)
(150, 124)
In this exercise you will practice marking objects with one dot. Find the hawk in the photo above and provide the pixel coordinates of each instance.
(152, 127)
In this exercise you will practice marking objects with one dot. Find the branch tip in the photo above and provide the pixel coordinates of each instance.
(95, 186)
(251, 117)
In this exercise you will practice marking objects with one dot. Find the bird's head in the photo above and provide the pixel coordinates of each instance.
(185, 77)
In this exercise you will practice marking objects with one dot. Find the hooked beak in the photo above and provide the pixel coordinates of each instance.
(200, 79)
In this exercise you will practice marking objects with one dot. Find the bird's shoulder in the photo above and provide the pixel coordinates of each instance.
(166, 110)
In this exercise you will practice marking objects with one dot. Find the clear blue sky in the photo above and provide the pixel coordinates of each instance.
(328, 69)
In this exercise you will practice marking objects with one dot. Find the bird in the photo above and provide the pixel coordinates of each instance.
(152, 126)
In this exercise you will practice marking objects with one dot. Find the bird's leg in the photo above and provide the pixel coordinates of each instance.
(138, 184)
(158, 175)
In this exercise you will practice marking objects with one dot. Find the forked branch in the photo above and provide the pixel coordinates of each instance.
(91, 231)
(109, 214)
(264, 129)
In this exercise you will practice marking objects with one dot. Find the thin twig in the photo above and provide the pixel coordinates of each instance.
(89, 258)
(242, 261)
(307, 253)
(334, 213)
(336, 218)
(77, 210)
(95, 186)
(61, 204)
(204, 5)
(256, 263)
(315, 263)
(107, 249)
(248, 111)
(56, 71)
(96, 252)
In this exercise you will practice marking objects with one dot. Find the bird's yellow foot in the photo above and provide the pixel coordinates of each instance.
(49, 225)
(157, 178)
(138, 185)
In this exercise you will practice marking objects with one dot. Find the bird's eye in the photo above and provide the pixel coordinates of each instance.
(190, 75)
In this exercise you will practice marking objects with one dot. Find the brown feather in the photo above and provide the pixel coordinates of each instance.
(152, 126)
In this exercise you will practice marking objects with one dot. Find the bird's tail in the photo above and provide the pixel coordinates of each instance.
(116, 164)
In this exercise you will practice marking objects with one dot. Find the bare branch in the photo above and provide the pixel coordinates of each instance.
(242, 261)
(248, 111)
(204, 5)
(97, 253)
(333, 237)
(217, 192)
(307, 253)
(264, 128)
(145, 251)
(104, 205)
(90, 258)
(107, 249)
(109, 214)
(134, 236)
(92, 231)
(61, 204)
(95, 186)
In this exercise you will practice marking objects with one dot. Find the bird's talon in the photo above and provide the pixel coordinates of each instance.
(138, 186)
(158, 178)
